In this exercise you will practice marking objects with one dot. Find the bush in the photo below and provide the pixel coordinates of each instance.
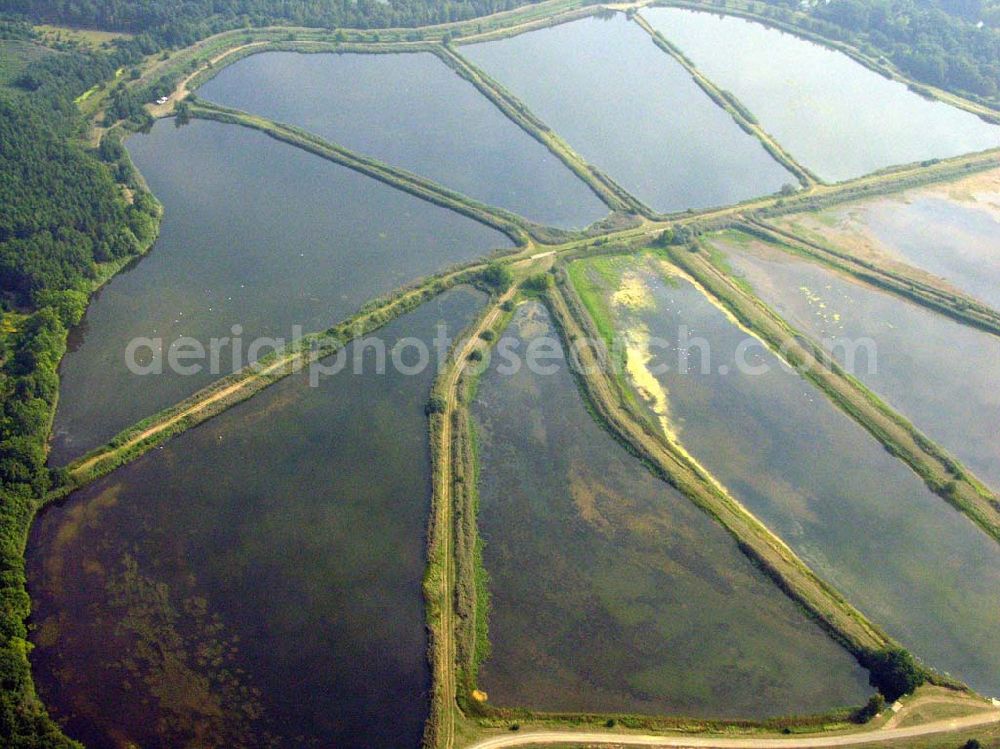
(435, 405)
(893, 672)
(497, 277)
(875, 705)
(537, 282)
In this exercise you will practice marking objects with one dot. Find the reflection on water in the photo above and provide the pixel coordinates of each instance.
(256, 581)
(257, 234)
(612, 592)
(412, 111)
(632, 110)
(836, 116)
(859, 517)
(940, 374)
(958, 241)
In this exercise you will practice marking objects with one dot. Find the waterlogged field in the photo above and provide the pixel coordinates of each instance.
(836, 116)
(632, 110)
(255, 234)
(256, 581)
(940, 374)
(412, 111)
(859, 517)
(952, 231)
(609, 590)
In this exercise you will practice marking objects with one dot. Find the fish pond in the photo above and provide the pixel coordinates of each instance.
(940, 374)
(412, 111)
(257, 237)
(858, 516)
(612, 592)
(950, 231)
(257, 580)
(633, 111)
(833, 114)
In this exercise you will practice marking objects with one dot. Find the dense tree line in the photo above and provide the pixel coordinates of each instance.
(953, 44)
(62, 210)
(61, 214)
(182, 22)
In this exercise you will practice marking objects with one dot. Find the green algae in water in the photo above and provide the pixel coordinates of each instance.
(859, 517)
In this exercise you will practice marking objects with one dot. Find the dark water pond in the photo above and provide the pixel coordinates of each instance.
(257, 580)
(256, 234)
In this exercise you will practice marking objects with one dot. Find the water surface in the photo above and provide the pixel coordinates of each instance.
(257, 234)
(632, 110)
(940, 374)
(610, 590)
(956, 240)
(859, 517)
(412, 111)
(257, 580)
(836, 116)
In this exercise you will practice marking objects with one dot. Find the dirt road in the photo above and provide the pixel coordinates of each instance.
(879, 737)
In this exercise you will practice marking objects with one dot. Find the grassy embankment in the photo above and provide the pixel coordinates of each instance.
(605, 391)
(798, 23)
(515, 227)
(736, 109)
(942, 473)
(452, 581)
(228, 391)
(957, 306)
(615, 196)
(456, 461)
(891, 180)
(183, 63)
(612, 194)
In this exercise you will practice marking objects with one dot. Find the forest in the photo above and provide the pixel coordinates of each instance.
(953, 44)
(64, 219)
(182, 22)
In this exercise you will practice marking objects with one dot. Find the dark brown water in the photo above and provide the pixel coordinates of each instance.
(256, 581)
(611, 591)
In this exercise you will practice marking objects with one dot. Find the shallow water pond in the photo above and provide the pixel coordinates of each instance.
(940, 374)
(257, 580)
(610, 591)
(632, 110)
(950, 231)
(859, 517)
(256, 234)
